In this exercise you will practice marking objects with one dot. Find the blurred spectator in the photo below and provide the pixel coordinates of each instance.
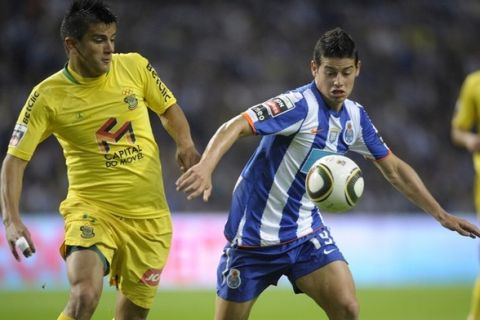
(220, 57)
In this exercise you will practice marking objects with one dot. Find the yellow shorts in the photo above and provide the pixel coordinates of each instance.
(135, 249)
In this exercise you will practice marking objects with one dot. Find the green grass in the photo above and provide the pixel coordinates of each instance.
(439, 303)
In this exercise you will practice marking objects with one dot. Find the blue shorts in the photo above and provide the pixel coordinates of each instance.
(243, 273)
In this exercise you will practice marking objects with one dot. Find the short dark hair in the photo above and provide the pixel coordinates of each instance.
(335, 43)
(82, 14)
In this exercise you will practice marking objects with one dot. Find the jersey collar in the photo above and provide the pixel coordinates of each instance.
(76, 78)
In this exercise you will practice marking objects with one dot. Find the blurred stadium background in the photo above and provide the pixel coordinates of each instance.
(220, 57)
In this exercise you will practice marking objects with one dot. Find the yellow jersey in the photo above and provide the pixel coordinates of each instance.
(467, 117)
(104, 129)
(467, 110)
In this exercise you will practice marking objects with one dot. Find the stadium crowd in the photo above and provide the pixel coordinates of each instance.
(220, 57)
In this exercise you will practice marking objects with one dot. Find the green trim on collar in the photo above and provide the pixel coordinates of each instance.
(69, 75)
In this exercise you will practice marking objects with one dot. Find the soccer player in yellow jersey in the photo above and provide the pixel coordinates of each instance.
(466, 133)
(117, 220)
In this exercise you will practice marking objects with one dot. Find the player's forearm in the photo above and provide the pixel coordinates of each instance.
(408, 182)
(223, 139)
(11, 187)
(176, 124)
(465, 139)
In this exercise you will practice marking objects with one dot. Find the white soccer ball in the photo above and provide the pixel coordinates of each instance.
(334, 183)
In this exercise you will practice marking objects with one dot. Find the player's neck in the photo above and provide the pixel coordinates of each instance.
(82, 70)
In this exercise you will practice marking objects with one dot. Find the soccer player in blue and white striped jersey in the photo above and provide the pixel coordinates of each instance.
(273, 229)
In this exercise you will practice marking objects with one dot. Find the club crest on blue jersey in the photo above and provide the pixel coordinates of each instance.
(233, 279)
(348, 134)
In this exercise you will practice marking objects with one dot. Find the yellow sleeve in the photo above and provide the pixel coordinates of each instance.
(157, 95)
(32, 126)
(465, 115)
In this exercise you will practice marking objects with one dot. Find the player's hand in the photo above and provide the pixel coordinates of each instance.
(460, 225)
(187, 157)
(194, 182)
(14, 231)
(472, 143)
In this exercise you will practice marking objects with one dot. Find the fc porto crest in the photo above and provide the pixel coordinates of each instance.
(233, 278)
(131, 101)
(348, 133)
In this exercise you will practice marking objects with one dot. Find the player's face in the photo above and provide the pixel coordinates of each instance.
(91, 56)
(334, 78)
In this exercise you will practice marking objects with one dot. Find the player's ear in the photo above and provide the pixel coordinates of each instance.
(359, 64)
(69, 43)
(313, 67)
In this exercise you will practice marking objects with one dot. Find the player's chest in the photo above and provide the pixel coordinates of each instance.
(91, 106)
(330, 132)
(91, 113)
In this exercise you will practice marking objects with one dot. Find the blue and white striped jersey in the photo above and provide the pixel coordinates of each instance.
(269, 204)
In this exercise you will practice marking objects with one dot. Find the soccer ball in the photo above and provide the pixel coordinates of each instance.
(334, 183)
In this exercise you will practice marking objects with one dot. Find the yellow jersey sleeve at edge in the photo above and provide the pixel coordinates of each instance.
(19, 153)
(466, 111)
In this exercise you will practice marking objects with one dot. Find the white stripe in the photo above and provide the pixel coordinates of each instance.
(285, 175)
(239, 237)
(316, 243)
(359, 146)
(240, 178)
(305, 218)
(224, 272)
(334, 131)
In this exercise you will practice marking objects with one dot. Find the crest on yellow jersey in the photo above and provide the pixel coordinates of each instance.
(87, 232)
(131, 101)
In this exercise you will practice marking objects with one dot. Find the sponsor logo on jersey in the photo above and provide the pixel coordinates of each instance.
(161, 86)
(17, 135)
(272, 108)
(28, 109)
(261, 112)
(105, 135)
(151, 277)
(125, 156)
(87, 232)
(348, 134)
(279, 105)
(233, 278)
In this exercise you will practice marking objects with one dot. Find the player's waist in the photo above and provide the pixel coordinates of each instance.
(284, 245)
(141, 206)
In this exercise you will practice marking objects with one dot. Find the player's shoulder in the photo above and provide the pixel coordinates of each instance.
(473, 78)
(352, 104)
(292, 96)
(297, 95)
(51, 83)
(129, 59)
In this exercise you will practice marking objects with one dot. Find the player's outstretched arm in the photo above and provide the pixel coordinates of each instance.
(176, 124)
(404, 178)
(11, 188)
(198, 179)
